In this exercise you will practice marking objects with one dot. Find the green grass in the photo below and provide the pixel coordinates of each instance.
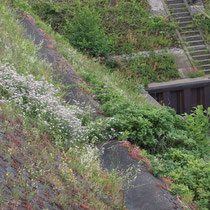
(18, 50)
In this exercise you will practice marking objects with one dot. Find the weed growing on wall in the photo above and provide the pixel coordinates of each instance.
(203, 21)
(204, 24)
(40, 167)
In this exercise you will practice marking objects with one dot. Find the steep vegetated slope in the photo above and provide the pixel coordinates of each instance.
(109, 27)
(176, 145)
(45, 161)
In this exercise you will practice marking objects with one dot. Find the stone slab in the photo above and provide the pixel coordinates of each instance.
(144, 194)
(157, 7)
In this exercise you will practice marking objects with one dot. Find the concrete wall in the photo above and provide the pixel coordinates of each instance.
(157, 7)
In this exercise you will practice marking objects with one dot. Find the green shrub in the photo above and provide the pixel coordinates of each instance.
(85, 33)
(204, 23)
(189, 174)
(198, 127)
(52, 13)
(153, 128)
(183, 191)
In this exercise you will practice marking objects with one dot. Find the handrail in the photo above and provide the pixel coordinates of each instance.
(200, 10)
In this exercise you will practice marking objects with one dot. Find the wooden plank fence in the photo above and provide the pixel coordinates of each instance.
(182, 97)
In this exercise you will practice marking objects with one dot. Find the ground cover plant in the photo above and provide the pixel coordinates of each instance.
(164, 134)
(145, 69)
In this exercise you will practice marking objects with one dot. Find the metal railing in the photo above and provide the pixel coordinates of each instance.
(201, 11)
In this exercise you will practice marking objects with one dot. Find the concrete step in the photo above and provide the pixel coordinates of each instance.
(201, 57)
(198, 47)
(183, 19)
(179, 5)
(204, 62)
(174, 1)
(207, 71)
(188, 28)
(193, 38)
(195, 43)
(178, 10)
(204, 67)
(186, 24)
(181, 14)
(198, 52)
(190, 33)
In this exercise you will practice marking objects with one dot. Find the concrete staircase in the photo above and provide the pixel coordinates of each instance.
(191, 37)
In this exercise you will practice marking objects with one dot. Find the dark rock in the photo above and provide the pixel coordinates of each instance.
(145, 195)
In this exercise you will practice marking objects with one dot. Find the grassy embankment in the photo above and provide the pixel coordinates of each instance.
(175, 144)
(38, 169)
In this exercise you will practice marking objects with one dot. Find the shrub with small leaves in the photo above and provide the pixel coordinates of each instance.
(86, 34)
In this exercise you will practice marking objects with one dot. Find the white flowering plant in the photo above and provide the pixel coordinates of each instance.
(40, 100)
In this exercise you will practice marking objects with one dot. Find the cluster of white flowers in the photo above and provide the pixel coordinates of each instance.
(41, 98)
(89, 158)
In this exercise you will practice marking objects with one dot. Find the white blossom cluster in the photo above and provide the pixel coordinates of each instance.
(40, 98)
(89, 158)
